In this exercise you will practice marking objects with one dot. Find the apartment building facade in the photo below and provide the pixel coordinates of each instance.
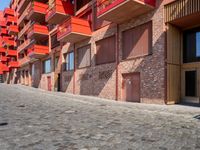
(127, 50)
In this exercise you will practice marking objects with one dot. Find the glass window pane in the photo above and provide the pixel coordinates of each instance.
(71, 60)
(47, 66)
(198, 44)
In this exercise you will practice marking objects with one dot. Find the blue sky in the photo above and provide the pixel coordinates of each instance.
(4, 3)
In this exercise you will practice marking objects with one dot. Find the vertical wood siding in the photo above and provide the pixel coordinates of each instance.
(181, 8)
(137, 41)
(105, 50)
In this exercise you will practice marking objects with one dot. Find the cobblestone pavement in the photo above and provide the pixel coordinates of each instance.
(33, 119)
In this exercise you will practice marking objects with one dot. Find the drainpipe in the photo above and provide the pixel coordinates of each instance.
(117, 63)
(74, 79)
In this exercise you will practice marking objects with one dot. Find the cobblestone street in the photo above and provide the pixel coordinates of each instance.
(33, 119)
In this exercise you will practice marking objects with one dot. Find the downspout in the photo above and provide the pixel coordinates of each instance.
(74, 78)
(117, 64)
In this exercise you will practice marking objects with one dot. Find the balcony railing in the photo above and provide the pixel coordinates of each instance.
(3, 23)
(8, 41)
(3, 58)
(120, 10)
(37, 11)
(2, 50)
(3, 31)
(183, 13)
(25, 29)
(38, 32)
(74, 30)
(24, 61)
(38, 51)
(11, 19)
(5, 68)
(13, 64)
(8, 12)
(58, 11)
(11, 53)
(13, 30)
(25, 45)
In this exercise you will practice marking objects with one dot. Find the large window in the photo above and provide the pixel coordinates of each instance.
(69, 61)
(137, 41)
(84, 56)
(191, 50)
(47, 66)
(105, 50)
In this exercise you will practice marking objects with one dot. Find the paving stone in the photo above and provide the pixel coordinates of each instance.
(40, 120)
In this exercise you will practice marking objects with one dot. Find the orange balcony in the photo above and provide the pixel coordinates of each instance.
(24, 61)
(118, 11)
(13, 30)
(11, 19)
(8, 12)
(1, 71)
(25, 45)
(38, 32)
(5, 68)
(11, 53)
(3, 58)
(38, 51)
(2, 23)
(8, 41)
(74, 30)
(4, 31)
(13, 64)
(59, 11)
(37, 11)
(2, 50)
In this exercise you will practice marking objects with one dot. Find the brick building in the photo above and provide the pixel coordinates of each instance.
(129, 50)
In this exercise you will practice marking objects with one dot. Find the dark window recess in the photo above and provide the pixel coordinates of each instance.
(54, 41)
(105, 50)
(191, 50)
(84, 56)
(81, 3)
(190, 83)
(105, 74)
(137, 41)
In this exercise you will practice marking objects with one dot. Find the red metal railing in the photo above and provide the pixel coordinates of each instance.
(13, 64)
(8, 11)
(61, 7)
(64, 28)
(36, 28)
(38, 49)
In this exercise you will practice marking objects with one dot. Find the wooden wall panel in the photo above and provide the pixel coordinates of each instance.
(174, 39)
(181, 8)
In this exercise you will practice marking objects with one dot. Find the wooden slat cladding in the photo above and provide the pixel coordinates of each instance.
(174, 43)
(181, 8)
(105, 50)
(84, 56)
(137, 41)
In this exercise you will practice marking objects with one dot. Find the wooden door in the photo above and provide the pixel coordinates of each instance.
(49, 83)
(27, 78)
(131, 87)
